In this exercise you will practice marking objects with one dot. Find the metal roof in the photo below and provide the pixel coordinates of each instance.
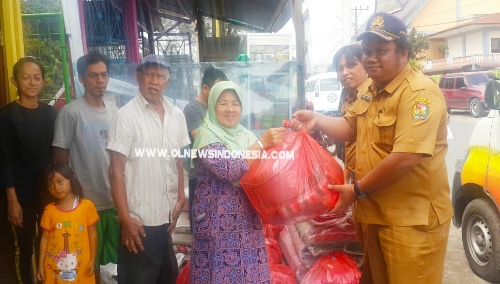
(257, 15)
(486, 21)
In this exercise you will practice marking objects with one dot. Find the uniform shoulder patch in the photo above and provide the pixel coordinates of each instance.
(421, 109)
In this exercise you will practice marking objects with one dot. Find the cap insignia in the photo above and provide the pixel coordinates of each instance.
(377, 23)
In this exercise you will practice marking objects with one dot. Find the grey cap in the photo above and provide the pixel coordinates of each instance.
(156, 59)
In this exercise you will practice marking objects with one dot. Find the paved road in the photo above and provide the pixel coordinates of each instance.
(457, 270)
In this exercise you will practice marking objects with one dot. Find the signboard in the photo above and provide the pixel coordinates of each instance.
(218, 49)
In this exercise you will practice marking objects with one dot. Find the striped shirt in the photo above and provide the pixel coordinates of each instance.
(150, 180)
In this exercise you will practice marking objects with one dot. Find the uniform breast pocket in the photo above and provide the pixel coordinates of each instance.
(384, 129)
(360, 107)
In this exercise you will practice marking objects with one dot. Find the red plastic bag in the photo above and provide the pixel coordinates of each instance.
(184, 276)
(336, 268)
(293, 189)
(271, 231)
(282, 274)
(274, 253)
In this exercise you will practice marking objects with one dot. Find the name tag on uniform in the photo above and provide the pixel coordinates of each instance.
(366, 98)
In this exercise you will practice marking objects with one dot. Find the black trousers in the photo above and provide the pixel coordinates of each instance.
(156, 264)
(17, 247)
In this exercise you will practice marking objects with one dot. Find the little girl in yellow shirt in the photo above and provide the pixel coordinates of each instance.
(68, 246)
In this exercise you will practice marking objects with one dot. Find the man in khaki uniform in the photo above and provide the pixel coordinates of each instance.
(402, 194)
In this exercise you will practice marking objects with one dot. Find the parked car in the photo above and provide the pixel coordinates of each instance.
(466, 91)
(323, 90)
(476, 192)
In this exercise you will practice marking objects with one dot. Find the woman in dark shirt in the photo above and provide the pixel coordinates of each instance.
(26, 131)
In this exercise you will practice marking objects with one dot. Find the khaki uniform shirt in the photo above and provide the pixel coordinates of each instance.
(407, 116)
(350, 146)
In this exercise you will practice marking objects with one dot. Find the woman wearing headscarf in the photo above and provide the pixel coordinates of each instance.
(228, 244)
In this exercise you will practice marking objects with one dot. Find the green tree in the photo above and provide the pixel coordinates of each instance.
(48, 53)
(41, 6)
(441, 48)
(419, 44)
(413, 62)
(41, 40)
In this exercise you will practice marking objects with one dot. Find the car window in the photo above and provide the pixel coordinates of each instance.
(448, 84)
(459, 82)
(475, 80)
(331, 84)
(310, 86)
(441, 83)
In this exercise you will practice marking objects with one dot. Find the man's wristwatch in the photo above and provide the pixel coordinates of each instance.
(359, 194)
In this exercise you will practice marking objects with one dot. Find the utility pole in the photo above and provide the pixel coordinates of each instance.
(357, 10)
(298, 24)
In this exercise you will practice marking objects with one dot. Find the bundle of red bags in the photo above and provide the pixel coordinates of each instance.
(295, 188)
(274, 254)
(335, 268)
(282, 274)
(184, 276)
(271, 231)
(337, 229)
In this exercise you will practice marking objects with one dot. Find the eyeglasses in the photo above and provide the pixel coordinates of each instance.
(160, 77)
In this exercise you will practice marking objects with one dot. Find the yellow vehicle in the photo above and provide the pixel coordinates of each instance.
(476, 192)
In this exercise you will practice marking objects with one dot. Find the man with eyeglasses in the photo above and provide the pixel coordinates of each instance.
(148, 189)
(80, 138)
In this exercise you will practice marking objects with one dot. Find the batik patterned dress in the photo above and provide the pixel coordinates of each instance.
(228, 244)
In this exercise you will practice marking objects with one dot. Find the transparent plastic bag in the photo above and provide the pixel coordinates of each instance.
(290, 254)
(338, 229)
(330, 219)
(293, 189)
(336, 268)
(305, 255)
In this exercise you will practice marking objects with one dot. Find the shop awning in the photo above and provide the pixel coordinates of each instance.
(257, 15)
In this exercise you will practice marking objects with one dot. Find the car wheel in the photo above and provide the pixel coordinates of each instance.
(481, 238)
(476, 108)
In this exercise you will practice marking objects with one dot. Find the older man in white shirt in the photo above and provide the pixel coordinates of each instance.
(148, 190)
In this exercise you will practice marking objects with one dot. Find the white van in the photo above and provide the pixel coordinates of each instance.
(476, 192)
(323, 90)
